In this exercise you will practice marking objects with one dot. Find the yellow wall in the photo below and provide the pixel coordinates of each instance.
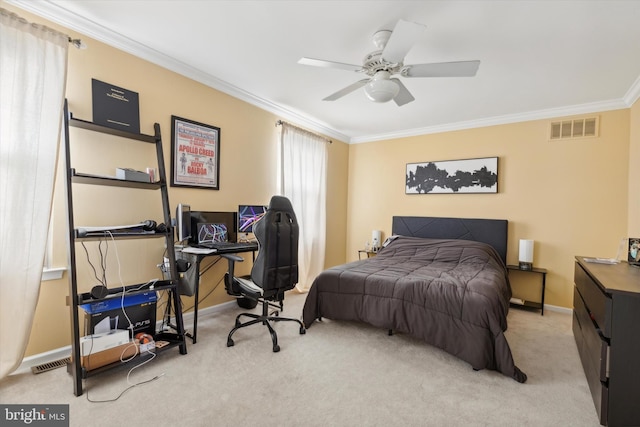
(569, 196)
(248, 172)
(572, 197)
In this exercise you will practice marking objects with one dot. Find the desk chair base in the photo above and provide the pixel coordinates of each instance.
(265, 319)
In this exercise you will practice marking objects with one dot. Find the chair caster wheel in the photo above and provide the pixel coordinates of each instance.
(230, 342)
(276, 348)
(302, 331)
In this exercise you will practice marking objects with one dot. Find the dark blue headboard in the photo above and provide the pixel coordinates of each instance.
(490, 231)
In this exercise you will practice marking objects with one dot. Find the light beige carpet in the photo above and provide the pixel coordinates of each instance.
(337, 374)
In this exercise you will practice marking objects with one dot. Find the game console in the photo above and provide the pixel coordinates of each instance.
(96, 343)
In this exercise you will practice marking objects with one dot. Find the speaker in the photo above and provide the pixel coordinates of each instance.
(99, 292)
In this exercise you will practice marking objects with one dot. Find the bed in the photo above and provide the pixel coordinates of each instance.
(442, 280)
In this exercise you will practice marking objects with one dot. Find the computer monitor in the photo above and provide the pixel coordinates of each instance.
(198, 218)
(183, 222)
(248, 215)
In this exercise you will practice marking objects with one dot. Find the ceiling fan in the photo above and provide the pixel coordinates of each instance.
(381, 64)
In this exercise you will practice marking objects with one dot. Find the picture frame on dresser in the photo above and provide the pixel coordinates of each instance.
(633, 255)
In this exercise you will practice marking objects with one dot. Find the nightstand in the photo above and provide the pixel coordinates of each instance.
(369, 253)
(532, 304)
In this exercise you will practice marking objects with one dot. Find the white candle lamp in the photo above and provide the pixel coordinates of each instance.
(376, 240)
(525, 255)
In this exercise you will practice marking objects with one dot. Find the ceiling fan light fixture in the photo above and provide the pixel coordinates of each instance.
(381, 88)
(388, 60)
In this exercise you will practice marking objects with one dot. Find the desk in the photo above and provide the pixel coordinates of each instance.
(242, 247)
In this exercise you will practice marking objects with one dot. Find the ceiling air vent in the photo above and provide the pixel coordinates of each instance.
(578, 128)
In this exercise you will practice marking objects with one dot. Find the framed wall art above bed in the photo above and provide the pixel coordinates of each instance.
(452, 176)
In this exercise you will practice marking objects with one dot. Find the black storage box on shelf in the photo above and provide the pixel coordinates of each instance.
(115, 107)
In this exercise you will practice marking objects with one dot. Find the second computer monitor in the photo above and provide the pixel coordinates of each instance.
(248, 215)
(183, 223)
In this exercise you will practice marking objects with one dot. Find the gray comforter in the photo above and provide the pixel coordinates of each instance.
(453, 294)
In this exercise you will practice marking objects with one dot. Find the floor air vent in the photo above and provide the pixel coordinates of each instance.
(578, 128)
(51, 365)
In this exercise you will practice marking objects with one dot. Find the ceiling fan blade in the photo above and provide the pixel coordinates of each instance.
(403, 96)
(403, 36)
(347, 90)
(329, 64)
(442, 69)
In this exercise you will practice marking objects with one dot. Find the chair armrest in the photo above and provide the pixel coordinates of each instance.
(232, 257)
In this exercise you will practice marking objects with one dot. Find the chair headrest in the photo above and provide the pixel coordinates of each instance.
(280, 203)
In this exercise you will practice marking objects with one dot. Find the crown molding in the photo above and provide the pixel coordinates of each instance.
(633, 93)
(500, 120)
(61, 16)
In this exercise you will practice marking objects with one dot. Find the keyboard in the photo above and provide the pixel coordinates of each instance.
(228, 245)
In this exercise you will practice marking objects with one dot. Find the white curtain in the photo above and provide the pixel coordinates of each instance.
(33, 67)
(304, 182)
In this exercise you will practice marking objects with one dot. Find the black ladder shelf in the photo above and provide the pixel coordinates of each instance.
(76, 299)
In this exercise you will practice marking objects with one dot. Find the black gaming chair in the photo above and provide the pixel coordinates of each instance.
(274, 271)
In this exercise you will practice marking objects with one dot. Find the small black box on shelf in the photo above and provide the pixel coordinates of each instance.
(115, 107)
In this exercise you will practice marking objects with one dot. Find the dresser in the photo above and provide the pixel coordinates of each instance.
(606, 327)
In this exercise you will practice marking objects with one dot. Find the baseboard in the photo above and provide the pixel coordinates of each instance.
(42, 358)
(187, 318)
(558, 309)
(63, 352)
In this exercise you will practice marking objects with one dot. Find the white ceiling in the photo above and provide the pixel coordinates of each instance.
(539, 59)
